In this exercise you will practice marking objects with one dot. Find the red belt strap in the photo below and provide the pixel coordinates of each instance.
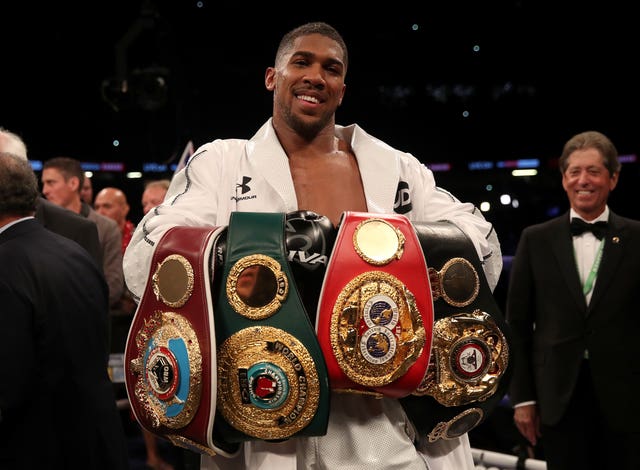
(375, 314)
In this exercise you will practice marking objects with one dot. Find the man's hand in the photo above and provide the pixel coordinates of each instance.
(528, 422)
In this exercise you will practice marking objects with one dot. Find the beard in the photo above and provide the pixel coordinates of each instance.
(306, 128)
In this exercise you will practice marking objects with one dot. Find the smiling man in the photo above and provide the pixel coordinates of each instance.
(301, 160)
(571, 304)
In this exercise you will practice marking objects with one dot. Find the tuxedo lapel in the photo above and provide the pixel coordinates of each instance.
(612, 253)
(562, 247)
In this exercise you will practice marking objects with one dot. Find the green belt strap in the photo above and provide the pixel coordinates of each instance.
(261, 235)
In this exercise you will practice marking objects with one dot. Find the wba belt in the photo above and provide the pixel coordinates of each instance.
(376, 311)
(170, 362)
(272, 379)
(468, 372)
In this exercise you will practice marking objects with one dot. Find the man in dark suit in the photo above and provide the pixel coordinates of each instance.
(573, 311)
(57, 406)
(71, 225)
(53, 217)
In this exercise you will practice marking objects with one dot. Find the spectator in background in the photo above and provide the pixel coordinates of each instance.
(57, 406)
(572, 308)
(153, 194)
(62, 178)
(112, 202)
(53, 217)
(86, 193)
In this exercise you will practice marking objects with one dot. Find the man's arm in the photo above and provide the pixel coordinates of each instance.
(192, 200)
(113, 262)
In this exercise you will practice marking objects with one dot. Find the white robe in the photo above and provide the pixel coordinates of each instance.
(253, 176)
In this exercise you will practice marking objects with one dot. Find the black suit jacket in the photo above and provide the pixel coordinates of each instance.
(57, 404)
(545, 291)
(70, 225)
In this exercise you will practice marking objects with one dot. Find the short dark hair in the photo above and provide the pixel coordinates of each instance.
(18, 186)
(588, 140)
(69, 167)
(317, 27)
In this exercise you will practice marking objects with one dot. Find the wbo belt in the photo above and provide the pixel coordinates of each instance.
(376, 310)
(272, 378)
(468, 372)
(170, 360)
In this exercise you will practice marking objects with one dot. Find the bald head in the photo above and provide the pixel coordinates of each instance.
(12, 143)
(112, 203)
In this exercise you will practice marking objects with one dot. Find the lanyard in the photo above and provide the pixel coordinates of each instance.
(588, 283)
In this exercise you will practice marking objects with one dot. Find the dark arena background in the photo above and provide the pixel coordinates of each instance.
(475, 90)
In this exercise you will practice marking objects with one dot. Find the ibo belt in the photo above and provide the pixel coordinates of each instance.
(467, 375)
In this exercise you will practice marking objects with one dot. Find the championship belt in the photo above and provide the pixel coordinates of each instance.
(170, 362)
(467, 375)
(376, 311)
(272, 379)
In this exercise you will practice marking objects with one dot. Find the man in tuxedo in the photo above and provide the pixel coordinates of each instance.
(57, 406)
(56, 218)
(573, 311)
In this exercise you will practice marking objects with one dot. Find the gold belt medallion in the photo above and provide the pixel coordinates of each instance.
(169, 370)
(256, 286)
(376, 329)
(378, 242)
(470, 354)
(457, 426)
(268, 386)
(457, 282)
(173, 281)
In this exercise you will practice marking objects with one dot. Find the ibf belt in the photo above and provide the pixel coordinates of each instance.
(376, 311)
(272, 379)
(170, 362)
(467, 374)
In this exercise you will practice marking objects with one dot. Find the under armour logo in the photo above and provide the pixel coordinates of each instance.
(244, 185)
(402, 204)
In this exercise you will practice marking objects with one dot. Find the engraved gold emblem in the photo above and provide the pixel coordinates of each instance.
(469, 356)
(268, 386)
(173, 281)
(457, 426)
(186, 443)
(256, 286)
(376, 329)
(168, 386)
(457, 282)
(378, 242)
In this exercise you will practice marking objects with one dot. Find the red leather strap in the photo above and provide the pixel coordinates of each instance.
(347, 269)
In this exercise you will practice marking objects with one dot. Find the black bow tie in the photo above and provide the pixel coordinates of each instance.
(579, 226)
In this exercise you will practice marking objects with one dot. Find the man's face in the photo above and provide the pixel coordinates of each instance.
(112, 203)
(588, 183)
(152, 197)
(308, 84)
(58, 190)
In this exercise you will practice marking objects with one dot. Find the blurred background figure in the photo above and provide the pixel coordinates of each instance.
(153, 194)
(112, 202)
(57, 406)
(62, 178)
(86, 193)
(52, 217)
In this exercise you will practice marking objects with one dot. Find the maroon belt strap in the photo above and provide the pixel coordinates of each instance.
(170, 360)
